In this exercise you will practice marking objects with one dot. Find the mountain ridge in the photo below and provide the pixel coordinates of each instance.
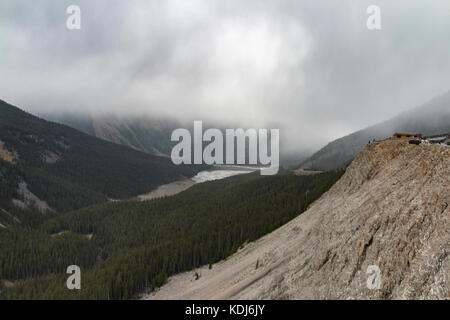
(430, 118)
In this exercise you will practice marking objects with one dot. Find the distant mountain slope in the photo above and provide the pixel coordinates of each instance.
(66, 167)
(429, 119)
(144, 133)
(390, 210)
(141, 133)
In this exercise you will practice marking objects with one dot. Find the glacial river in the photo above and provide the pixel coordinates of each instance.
(219, 172)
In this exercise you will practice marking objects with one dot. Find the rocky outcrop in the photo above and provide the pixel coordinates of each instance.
(6, 155)
(388, 213)
(30, 199)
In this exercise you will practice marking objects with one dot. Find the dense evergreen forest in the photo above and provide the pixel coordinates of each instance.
(114, 170)
(61, 195)
(124, 248)
(69, 169)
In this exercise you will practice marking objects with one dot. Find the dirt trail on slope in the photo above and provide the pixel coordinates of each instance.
(390, 209)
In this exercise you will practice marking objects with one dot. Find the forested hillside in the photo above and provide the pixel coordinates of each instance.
(68, 169)
(127, 247)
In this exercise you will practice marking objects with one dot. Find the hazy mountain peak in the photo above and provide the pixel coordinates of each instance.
(430, 118)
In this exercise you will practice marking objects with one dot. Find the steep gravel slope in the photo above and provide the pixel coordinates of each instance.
(390, 209)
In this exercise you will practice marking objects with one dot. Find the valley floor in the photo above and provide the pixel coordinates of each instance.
(218, 172)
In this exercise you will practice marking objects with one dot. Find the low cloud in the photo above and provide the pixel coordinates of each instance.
(310, 68)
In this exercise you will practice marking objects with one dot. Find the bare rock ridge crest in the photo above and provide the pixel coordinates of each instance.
(389, 209)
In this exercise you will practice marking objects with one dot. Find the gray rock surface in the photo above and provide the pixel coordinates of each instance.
(390, 210)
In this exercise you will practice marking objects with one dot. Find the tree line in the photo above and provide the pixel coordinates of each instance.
(137, 245)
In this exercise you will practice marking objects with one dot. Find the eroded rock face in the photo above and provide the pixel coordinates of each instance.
(389, 210)
(6, 155)
(30, 199)
(49, 157)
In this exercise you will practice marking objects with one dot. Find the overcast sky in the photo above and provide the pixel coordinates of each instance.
(309, 67)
